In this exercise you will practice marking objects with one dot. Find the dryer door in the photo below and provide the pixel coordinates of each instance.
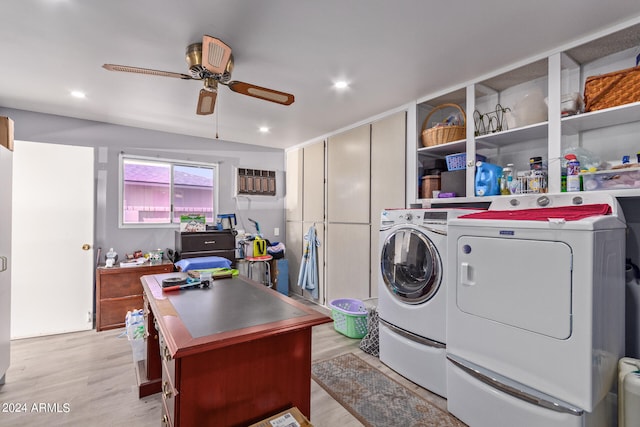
(410, 265)
(521, 283)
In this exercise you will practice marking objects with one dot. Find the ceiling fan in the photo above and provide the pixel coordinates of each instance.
(212, 63)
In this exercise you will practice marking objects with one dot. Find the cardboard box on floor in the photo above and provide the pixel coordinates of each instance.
(283, 419)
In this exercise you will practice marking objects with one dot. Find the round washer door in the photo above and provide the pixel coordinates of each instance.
(410, 265)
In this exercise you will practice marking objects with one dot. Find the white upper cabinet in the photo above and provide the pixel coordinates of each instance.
(313, 182)
(348, 176)
(293, 201)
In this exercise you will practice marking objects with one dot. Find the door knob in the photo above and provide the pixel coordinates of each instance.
(86, 247)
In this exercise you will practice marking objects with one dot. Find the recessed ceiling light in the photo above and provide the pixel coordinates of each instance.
(78, 94)
(264, 129)
(341, 84)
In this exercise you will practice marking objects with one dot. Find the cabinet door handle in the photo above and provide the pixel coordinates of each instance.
(166, 354)
(4, 263)
(209, 242)
(166, 390)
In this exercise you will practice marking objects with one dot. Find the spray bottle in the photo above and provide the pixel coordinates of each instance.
(573, 173)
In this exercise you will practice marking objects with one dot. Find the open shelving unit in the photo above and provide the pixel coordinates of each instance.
(607, 134)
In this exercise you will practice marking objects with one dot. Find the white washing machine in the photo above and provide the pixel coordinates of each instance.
(535, 310)
(412, 294)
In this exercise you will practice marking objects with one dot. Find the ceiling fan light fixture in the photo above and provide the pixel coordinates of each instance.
(206, 102)
(215, 54)
(211, 84)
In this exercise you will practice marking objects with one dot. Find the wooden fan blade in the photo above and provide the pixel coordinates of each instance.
(127, 69)
(215, 54)
(261, 92)
(206, 102)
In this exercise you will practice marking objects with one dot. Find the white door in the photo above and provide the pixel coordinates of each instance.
(53, 217)
(6, 166)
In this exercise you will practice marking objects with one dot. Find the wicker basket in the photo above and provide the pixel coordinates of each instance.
(429, 184)
(612, 89)
(443, 134)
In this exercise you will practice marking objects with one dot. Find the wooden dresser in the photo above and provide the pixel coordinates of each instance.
(230, 355)
(118, 290)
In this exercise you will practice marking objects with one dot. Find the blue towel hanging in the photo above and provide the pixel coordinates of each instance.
(308, 275)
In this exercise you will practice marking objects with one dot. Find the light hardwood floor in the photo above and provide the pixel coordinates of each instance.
(88, 379)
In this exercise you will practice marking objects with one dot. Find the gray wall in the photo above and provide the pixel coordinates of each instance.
(109, 140)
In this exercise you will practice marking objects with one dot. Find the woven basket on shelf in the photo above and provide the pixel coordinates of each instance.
(612, 89)
(443, 134)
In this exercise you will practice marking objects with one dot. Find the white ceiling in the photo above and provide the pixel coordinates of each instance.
(391, 51)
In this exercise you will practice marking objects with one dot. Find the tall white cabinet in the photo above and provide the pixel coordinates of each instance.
(388, 164)
(340, 186)
(313, 201)
(6, 173)
(305, 208)
(348, 213)
(293, 216)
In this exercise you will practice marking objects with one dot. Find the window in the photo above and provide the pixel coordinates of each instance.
(160, 191)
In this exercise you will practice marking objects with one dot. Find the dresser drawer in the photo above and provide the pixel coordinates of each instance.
(205, 241)
(118, 282)
(120, 285)
(168, 363)
(169, 390)
(167, 417)
(169, 397)
(113, 311)
(229, 254)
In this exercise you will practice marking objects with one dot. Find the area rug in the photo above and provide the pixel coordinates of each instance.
(375, 399)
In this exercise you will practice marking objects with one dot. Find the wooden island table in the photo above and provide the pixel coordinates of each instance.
(228, 355)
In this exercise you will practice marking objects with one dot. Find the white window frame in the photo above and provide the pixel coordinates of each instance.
(173, 162)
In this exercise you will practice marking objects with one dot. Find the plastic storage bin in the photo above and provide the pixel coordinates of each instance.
(349, 317)
(611, 179)
(459, 161)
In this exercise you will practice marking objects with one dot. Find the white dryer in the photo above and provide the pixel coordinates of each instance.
(535, 310)
(412, 294)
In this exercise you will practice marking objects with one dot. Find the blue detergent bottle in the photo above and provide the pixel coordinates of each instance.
(487, 179)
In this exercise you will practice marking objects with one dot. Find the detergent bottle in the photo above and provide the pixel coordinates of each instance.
(487, 179)
(573, 172)
(506, 180)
